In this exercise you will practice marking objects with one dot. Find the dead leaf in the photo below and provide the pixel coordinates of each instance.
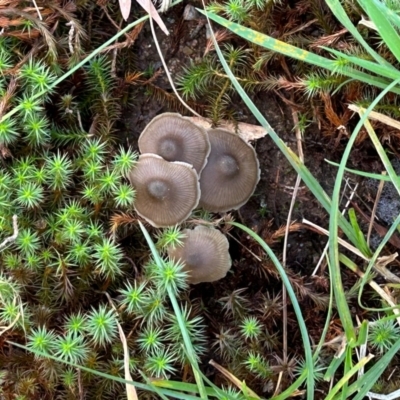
(247, 132)
(148, 6)
(125, 7)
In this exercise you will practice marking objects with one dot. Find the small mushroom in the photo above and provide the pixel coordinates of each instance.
(204, 254)
(166, 192)
(175, 138)
(231, 174)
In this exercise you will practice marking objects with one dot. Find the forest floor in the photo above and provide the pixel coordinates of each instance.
(267, 211)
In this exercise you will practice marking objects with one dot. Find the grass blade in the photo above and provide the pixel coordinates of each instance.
(179, 317)
(365, 383)
(380, 70)
(312, 184)
(362, 242)
(390, 14)
(295, 304)
(345, 379)
(362, 173)
(340, 13)
(343, 307)
(297, 53)
(139, 385)
(385, 28)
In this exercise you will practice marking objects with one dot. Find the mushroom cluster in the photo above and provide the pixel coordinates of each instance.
(183, 166)
(174, 153)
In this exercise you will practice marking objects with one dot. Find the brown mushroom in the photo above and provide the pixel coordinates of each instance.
(204, 254)
(231, 174)
(175, 138)
(166, 192)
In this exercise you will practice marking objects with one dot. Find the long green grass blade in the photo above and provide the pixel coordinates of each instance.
(299, 54)
(312, 184)
(385, 28)
(345, 379)
(390, 14)
(334, 266)
(333, 367)
(348, 365)
(362, 242)
(364, 384)
(362, 173)
(138, 385)
(154, 387)
(340, 13)
(295, 305)
(379, 70)
(179, 317)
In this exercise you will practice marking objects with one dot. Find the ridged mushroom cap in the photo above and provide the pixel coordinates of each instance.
(175, 138)
(231, 174)
(166, 192)
(204, 254)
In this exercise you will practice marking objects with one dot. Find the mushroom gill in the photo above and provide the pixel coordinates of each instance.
(166, 192)
(175, 138)
(204, 254)
(231, 174)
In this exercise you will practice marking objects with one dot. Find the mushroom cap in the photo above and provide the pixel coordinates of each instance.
(204, 254)
(231, 174)
(166, 193)
(175, 138)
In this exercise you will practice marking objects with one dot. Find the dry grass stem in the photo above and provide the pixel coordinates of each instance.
(377, 198)
(130, 388)
(348, 246)
(160, 54)
(278, 384)
(14, 236)
(385, 295)
(237, 382)
(376, 116)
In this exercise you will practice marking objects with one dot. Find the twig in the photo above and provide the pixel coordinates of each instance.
(11, 238)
